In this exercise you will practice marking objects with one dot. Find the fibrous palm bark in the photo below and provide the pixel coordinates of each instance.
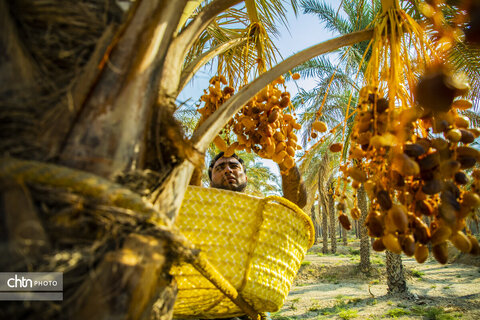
(395, 274)
(364, 239)
(316, 223)
(323, 206)
(324, 230)
(333, 220)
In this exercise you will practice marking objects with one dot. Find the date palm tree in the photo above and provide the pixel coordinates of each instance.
(325, 214)
(332, 228)
(396, 275)
(365, 263)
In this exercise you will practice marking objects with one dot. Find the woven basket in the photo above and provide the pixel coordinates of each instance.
(257, 244)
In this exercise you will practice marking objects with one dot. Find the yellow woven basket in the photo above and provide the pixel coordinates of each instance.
(257, 244)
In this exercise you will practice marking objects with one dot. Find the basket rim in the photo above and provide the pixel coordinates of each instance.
(269, 199)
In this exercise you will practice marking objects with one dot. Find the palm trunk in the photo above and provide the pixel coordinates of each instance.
(316, 223)
(324, 226)
(395, 274)
(111, 124)
(344, 236)
(364, 238)
(333, 220)
(323, 200)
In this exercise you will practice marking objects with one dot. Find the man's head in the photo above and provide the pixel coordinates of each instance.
(227, 173)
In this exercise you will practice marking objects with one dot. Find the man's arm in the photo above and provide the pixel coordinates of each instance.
(293, 186)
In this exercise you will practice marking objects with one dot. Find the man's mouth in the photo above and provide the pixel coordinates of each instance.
(231, 179)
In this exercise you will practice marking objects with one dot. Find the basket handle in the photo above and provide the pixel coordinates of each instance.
(201, 263)
(292, 206)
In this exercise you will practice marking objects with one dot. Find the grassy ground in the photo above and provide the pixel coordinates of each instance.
(330, 286)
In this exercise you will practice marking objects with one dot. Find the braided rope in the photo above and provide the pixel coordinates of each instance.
(206, 269)
(77, 181)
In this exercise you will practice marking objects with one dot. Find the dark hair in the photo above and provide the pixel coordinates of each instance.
(218, 156)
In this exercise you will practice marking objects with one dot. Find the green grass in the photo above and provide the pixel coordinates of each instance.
(434, 313)
(377, 260)
(314, 307)
(355, 258)
(355, 300)
(332, 279)
(280, 317)
(340, 309)
(354, 251)
(306, 263)
(396, 312)
(417, 274)
(348, 314)
(372, 302)
(293, 306)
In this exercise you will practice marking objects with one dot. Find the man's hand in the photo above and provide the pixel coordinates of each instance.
(293, 186)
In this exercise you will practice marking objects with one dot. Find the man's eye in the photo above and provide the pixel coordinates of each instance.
(234, 166)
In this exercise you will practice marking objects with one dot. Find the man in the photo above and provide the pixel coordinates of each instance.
(229, 173)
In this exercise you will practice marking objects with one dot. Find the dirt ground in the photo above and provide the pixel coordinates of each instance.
(331, 287)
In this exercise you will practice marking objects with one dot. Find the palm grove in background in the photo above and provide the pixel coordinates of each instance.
(334, 84)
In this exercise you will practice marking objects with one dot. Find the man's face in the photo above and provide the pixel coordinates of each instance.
(228, 174)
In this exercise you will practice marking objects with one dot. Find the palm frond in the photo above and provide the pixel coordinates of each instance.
(327, 14)
(237, 63)
(473, 116)
(314, 68)
(466, 59)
